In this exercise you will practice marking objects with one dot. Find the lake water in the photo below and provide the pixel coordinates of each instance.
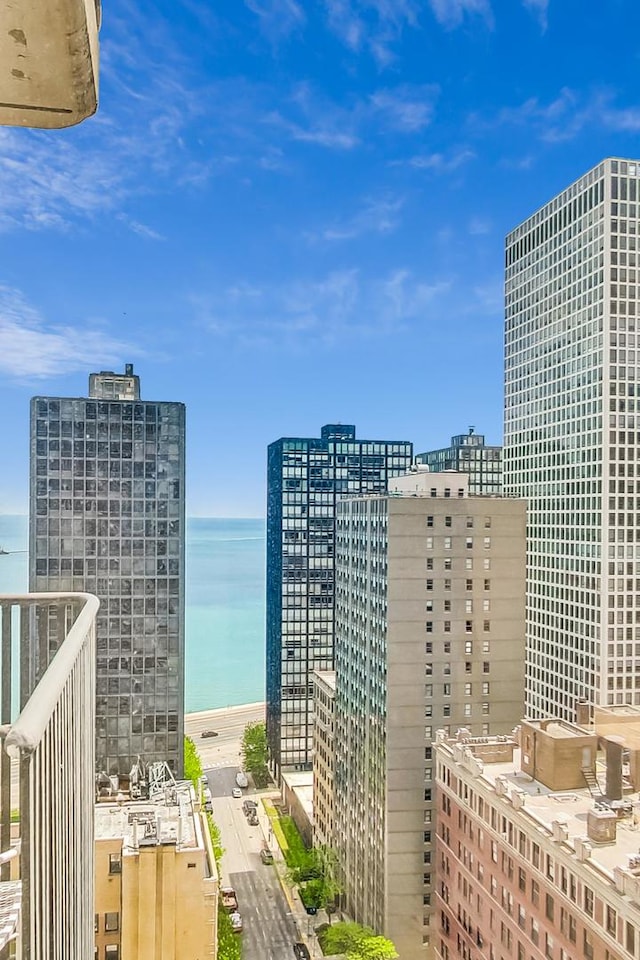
(225, 617)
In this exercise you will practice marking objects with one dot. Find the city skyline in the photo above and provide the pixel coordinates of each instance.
(296, 187)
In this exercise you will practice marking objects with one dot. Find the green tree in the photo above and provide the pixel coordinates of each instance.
(255, 752)
(356, 942)
(229, 943)
(192, 763)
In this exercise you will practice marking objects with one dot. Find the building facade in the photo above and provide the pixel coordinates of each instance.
(572, 381)
(156, 880)
(306, 478)
(468, 453)
(530, 867)
(107, 517)
(324, 697)
(429, 634)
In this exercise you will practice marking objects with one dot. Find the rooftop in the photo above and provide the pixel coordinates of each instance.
(172, 819)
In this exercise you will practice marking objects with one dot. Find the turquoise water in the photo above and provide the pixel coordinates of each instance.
(225, 633)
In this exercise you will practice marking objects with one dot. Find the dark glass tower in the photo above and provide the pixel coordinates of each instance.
(306, 477)
(107, 517)
(469, 454)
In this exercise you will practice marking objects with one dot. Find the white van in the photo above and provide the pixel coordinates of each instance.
(241, 779)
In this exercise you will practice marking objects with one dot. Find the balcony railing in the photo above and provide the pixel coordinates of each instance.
(47, 681)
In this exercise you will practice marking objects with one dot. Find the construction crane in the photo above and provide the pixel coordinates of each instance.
(48, 62)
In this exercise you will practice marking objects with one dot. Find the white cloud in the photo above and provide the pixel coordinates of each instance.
(373, 25)
(278, 18)
(569, 114)
(31, 348)
(303, 314)
(406, 107)
(478, 226)
(451, 13)
(539, 8)
(440, 162)
(379, 215)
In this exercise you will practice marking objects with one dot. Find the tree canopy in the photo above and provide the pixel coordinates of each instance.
(356, 942)
(255, 752)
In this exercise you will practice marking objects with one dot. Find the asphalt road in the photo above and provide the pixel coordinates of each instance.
(269, 928)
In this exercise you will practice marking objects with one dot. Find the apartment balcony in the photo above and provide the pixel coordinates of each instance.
(47, 718)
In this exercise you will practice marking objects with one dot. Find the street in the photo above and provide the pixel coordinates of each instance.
(269, 927)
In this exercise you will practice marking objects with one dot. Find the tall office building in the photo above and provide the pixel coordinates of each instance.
(468, 453)
(306, 478)
(430, 591)
(572, 386)
(107, 517)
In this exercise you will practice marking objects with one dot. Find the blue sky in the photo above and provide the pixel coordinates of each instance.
(287, 214)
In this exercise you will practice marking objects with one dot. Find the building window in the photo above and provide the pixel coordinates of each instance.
(446, 689)
(549, 905)
(469, 521)
(486, 626)
(96, 923)
(588, 901)
(468, 606)
(429, 626)
(467, 689)
(468, 646)
(468, 626)
(447, 626)
(487, 584)
(430, 521)
(447, 543)
(467, 709)
(447, 563)
(447, 521)
(611, 921)
(469, 584)
(487, 543)
(469, 543)
(487, 521)
(115, 863)
(429, 584)
(485, 689)
(429, 563)
(111, 922)
(112, 951)
(446, 710)
(548, 946)
(535, 893)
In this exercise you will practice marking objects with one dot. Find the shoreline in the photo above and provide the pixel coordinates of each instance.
(254, 707)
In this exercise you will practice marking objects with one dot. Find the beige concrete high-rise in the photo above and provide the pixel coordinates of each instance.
(430, 588)
(156, 881)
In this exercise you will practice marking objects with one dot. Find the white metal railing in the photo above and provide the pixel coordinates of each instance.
(46, 807)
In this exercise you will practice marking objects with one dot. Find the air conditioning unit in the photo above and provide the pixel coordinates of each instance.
(48, 62)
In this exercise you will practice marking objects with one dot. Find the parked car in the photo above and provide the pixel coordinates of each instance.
(248, 806)
(209, 733)
(266, 856)
(236, 793)
(301, 951)
(253, 819)
(241, 779)
(229, 899)
(236, 922)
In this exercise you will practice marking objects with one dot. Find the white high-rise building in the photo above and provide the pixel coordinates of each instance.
(572, 382)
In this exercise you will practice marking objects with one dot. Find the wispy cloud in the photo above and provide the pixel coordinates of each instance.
(539, 8)
(478, 226)
(569, 114)
(379, 215)
(302, 314)
(406, 107)
(278, 18)
(32, 348)
(439, 162)
(452, 13)
(372, 25)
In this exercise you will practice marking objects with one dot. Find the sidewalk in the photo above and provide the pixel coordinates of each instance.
(305, 924)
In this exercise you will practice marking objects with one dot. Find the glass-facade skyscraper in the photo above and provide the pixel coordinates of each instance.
(107, 517)
(306, 478)
(468, 453)
(572, 413)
